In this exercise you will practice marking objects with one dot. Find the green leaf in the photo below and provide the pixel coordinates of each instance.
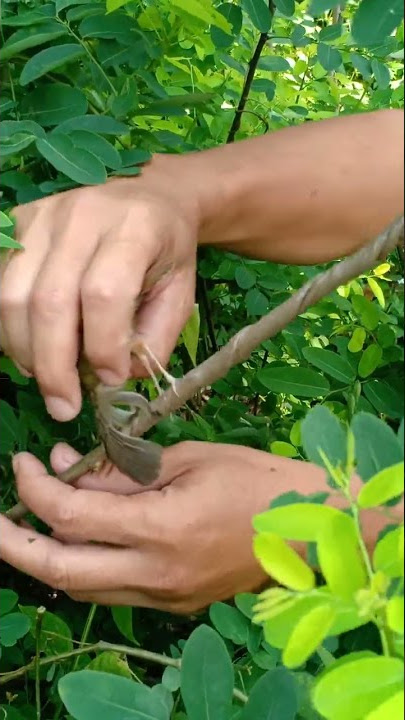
(331, 363)
(284, 449)
(101, 124)
(206, 676)
(233, 14)
(259, 14)
(108, 27)
(229, 622)
(8, 599)
(365, 683)
(274, 696)
(377, 446)
(386, 556)
(383, 78)
(303, 522)
(362, 65)
(282, 563)
(110, 662)
(122, 616)
(50, 104)
(256, 302)
(134, 157)
(8, 128)
(5, 221)
(368, 311)
(78, 164)
(191, 333)
(301, 382)
(331, 32)
(15, 144)
(245, 277)
(98, 146)
(386, 336)
(88, 694)
(56, 636)
(329, 57)
(273, 63)
(321, 430)
(375, 21)
(268, 87)
(31, 17)
(204, 12)
(370, 360)
(8, 242)
(286, 7)
(8, 428)
(385, 485)
(339, 557)
(171, 679)
(31, 36)
(384, 398)
(308, 635)
(395, 614)
(357, 340)
(13, 626)
(318, 7)
(47, 60)
(393, 708)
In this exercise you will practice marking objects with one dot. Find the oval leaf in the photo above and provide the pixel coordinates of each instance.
(386, 556)
(273, 696)
(308, 635)
(301, 382)
(98, 146)
(13, 627)
(282, 563)
(51, 104)
(302, 522)
(370, 360)
(49, 59)
(374, 21)
(393, 708)
(339, 557)
(377, 446)
(78, 164)
(331, 363)
(259, 13)
(395, 614)
(385, 485)
(322, 431)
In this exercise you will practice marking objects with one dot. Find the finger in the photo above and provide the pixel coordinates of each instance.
(163, 315)
(18, 280)
(108, 479)
(85, 514)
(84, 568)
(137, 599)
(55, 318)
(110, 292)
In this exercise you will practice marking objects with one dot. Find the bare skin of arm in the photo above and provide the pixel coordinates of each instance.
(301, 195)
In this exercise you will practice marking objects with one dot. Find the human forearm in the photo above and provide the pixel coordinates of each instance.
(301, 195)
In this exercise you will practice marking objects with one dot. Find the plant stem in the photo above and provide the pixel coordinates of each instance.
(91, 56)
(37, 660)
(100, 646)
(85, 633)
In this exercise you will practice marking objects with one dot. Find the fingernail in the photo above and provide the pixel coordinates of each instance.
(109, 377)
(67, 457)
(60, 409)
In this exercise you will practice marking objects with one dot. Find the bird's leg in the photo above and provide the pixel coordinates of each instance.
(146, 356)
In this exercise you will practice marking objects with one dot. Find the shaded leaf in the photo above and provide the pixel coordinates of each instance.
(298, 381)
(13, 626)
(51, 104)
(31, 36)
(321, 430)
(274, 696)
(374, 21)
(80, 165)
(229, 622)
(48, 60)
(259, 13)
(377, 446)
(331, 363)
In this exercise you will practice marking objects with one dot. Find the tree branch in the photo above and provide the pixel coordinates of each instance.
(241, 345)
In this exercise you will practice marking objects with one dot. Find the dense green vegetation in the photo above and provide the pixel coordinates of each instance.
(90, 91)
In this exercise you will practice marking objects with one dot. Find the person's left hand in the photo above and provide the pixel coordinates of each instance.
(177, 547)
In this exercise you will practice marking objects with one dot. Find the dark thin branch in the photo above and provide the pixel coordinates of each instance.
(207, 312)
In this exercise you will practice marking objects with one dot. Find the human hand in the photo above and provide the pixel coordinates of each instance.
(92, 257)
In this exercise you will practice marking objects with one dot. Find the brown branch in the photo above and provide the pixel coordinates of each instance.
(241, 345)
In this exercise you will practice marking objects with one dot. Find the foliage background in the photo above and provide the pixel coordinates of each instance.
(88, 94)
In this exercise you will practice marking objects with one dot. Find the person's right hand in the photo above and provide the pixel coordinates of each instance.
(93, 256)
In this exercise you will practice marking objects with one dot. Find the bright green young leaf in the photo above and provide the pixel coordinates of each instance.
(89, 694)
(377, 446)
(13, 626)
(52, 104)
(229, 622)
(204, 12)
(374, 21)
(395, 614)
(278, 447)
(47, 60)
(273, 63)
(386, 555)
(385, 485)
(370, 360)
(110, 662)
(295, 433)
(377, 291)
(384, 398)
(112, 5)
(365, 682)
(392, 709)
(273, 696)
(287, 7)
(322, 431)
(308, 635)
(80, 165)
(29, 37)
(98, 146)
(191, 334)
(301, 382)
(331, 363)
(339, 557)
(206, 676)
(299, 521)
(278, 629)
(329, 57)
(282, 563)
(122, 616)
(259, 13)
(8, 599)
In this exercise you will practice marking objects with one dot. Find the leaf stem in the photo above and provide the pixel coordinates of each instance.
(37, 661)
(91, 56)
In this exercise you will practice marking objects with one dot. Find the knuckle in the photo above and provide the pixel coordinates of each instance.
(57, 575)
(64, 517)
